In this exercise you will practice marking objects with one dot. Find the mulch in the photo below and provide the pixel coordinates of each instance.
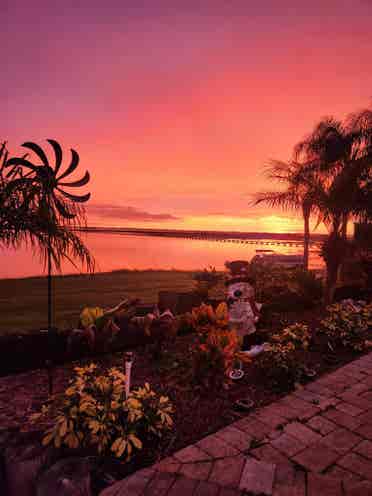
(197, 413)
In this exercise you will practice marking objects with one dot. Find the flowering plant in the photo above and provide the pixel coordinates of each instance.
(346, 322)
(296, 334)
(280, 364)
(94, 412)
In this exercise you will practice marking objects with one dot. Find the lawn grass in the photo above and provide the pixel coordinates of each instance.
(23, 302)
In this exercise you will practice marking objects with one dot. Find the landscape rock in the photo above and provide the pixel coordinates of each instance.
(67, 477)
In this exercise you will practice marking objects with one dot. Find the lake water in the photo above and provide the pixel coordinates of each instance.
(122, 251)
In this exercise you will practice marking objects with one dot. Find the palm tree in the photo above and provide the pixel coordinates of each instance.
(39, 211)
(340, 156)
(298, 194)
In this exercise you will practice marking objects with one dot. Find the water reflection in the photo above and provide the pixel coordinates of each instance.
(120, 251)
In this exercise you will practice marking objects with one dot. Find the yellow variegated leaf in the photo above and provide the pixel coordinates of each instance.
(137, 443)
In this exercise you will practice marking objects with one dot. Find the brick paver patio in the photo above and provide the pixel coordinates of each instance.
(317, 441)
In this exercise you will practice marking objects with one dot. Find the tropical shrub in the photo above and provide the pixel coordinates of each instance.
(296, 334)
(99, 327)
(163, 330)
(345, 324)
(214, 355)
(308, 286)
(94, 412)
(280, 364)
(205, 317)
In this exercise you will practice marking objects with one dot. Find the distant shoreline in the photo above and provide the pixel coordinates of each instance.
(205, 234)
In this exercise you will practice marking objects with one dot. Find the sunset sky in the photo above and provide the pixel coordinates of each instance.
(175, 108)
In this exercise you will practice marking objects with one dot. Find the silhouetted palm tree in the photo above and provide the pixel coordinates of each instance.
(298, 194)
(339, 154)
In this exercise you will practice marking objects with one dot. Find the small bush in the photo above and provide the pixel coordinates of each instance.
(308, 286)
(280, 363)
(204, 317)
(213, 357)
(296, 334)
(346, 323)
(94, 413)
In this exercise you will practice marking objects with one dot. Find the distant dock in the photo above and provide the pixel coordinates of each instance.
(265, 239)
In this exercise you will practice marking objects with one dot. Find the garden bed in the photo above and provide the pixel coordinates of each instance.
(197, 412)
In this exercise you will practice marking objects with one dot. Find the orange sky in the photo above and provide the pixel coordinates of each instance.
(175, 109)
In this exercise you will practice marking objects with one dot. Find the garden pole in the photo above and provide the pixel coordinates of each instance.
(49, 363)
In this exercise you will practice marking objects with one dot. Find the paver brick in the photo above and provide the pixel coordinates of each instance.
(206, 489)
(198, 470)
(341, 440)
(321, 425)
(284, 467)
(226, 491)
(168, 464)
(368, 380)
(294, 487)
(159, 485)
(216, 447)
(348, 478)
(285, 411)
(367, 395)
(357, 464)
(348, 408)
(182, 487)
(235, 437)
(342, 419)
(257, 477)
(314, 399)
(355, 390)
(315, 459)
(363, 488)
(191, 453)
(320, 389)
(365, 431)
(269, 418)
(252, 426)
(302, 433)
(364, 448)
(133, 485)
(227, 471)
(356, 400)
(366, 418)
(321, 485)
(288, 444)
(303, 409)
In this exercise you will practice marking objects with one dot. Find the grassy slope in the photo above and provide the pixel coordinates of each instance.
(23, 302)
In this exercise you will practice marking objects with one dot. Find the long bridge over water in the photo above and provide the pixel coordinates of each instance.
(264, 239)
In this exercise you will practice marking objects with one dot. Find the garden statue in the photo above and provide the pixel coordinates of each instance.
(244, 311)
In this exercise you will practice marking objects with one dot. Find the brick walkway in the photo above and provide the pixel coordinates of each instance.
(316, 441)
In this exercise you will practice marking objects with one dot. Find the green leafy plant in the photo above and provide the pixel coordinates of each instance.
(345, 324)
(94, 412)
(308, 286)
(296, 334)
(280, 364)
